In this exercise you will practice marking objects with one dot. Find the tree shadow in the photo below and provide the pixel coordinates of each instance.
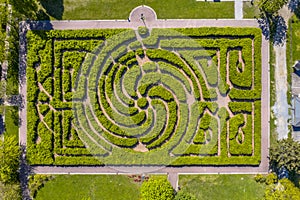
(280, 30)
(293, 5)
(54, 8)
(273, 27)
(25, 171)
(264, 25)
(296, 10)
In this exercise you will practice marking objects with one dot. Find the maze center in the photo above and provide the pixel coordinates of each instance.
(185, 96)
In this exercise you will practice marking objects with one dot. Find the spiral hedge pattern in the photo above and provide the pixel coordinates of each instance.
(189, 96)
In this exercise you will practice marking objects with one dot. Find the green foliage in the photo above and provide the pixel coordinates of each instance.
(115, 91)
(157, 189)
(36, 182)
(271, 178)
(284, 189)
(271, 6)
(143, 31)
(260, 178)
(286, 154)
(142, 102)
(10, 191)
(9, 160)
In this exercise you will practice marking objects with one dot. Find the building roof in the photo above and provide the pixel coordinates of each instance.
(296, 113)
(297, 65)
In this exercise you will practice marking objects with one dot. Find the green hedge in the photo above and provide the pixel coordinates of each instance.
(63, 61)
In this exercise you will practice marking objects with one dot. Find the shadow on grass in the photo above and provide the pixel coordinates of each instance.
(54, 8)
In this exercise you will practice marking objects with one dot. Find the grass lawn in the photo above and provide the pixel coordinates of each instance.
(222, 186)
(250, 11)
(293, 46)
(79, 187)
(120, 9)
(273, 133)
(11, 121)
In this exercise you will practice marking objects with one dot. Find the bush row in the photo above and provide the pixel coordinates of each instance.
(174, 73)
(207, 134)
(75, 142)
(118, 87)
(38, 51)
(45, 65)
(77, 160)
(131, 79)
(152, 79)
(109, 90)
(132, 120)
(159, 123)
(159, 54)
(242, 145)
(238, 76)
(87, 127)
(48, 85)
(238, 107)
(43, 97)
(149, 67)
(118, 133)
(170, 128)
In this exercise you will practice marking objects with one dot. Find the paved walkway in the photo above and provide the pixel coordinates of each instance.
(238, 9)
(4, 65)
(150, 21)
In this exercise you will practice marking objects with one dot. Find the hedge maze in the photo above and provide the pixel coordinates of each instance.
(189, 96)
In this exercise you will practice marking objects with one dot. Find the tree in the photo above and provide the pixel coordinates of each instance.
(286, 154)
(10, 191)
(271, 6)
(157, 189)
(9, 160)
(284, 189)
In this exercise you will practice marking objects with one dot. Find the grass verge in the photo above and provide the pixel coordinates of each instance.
(250, 11)
(222, 186)
(120, 9)
(78, 187)
(12, 121)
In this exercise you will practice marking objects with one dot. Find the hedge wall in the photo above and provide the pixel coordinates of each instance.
(96, 95)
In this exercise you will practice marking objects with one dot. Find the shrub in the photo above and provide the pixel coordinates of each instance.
(142, 102)
(260, 178)
(271, 178)
(143, 31)
(157, 189)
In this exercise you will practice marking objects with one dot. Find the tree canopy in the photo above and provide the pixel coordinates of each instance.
(286, 154)
(284, 189)
(9, 160)
(157, 189)
(271, 6)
